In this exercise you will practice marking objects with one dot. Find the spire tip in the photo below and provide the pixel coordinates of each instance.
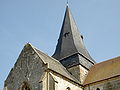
(67, 2)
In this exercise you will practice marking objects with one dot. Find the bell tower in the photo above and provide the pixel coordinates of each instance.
(70, 49)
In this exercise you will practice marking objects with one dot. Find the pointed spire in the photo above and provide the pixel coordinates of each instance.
(70, 41)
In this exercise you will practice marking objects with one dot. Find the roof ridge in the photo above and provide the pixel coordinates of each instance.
(106, 61)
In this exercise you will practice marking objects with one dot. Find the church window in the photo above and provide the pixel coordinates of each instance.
(97, 89)
(68, 88)
(25, 87)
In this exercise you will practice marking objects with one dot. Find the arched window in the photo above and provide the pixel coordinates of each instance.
(25, 87)
(97, 89)
(68, 88)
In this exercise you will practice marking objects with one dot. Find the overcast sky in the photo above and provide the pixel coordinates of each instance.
(39, 22)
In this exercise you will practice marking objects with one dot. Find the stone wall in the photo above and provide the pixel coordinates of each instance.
(62, 84)
(78, 72)
(28, 69)
(110, 84)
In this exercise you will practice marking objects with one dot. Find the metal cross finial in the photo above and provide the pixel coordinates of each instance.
(67, 2)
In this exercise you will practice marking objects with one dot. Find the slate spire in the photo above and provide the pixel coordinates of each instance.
(70, 41)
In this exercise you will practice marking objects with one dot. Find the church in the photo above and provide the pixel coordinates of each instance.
(70, 67)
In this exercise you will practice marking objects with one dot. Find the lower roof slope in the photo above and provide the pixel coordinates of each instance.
(103, 70)
(55, 65)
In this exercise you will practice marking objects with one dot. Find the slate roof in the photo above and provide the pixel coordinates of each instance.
(55, 65)
(103, 70)
(70, 47)
(76, 59)
(70, 41)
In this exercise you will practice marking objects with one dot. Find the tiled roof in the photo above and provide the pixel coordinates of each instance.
(103, 70)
